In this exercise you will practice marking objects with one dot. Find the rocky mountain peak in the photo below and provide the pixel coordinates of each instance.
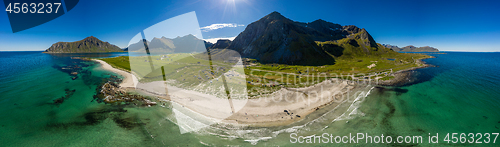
(275, 16)
(351, 29)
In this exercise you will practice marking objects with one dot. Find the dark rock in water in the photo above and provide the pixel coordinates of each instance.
(400, 90)
(74, 78)
(485, 117)
(127, 123)
(68, 92)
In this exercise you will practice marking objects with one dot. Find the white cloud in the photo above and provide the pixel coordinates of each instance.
(214, 40)
(219, 26)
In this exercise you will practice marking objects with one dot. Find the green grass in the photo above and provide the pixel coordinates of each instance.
(387, 78)
(121, 62)
(194, 71)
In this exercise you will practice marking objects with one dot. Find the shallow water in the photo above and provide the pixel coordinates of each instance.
(459, 95)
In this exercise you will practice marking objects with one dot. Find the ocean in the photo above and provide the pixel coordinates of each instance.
(43, 104)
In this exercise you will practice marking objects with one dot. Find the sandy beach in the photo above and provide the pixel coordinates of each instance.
(128, 79)
(282, 107)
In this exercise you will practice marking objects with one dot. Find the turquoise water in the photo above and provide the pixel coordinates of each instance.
(459, 95)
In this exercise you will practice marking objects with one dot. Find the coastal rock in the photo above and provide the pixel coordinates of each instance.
(111, 93)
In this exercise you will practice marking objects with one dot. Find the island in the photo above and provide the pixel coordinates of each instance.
(88, 45)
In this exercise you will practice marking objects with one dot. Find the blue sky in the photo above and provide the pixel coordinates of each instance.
(446, 25)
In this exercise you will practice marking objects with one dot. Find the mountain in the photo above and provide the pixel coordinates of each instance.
(184, 44)
(394, 48)
(207, 44)
(221, 44)
(87, 45)
(188, 43)
(161, 43)
(277, 39)
(412, 48)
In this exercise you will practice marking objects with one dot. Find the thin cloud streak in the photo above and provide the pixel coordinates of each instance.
(214, 40)
(219, 26)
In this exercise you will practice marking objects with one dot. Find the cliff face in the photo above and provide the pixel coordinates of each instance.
(221, 44)
(87, 45)
(277, 39)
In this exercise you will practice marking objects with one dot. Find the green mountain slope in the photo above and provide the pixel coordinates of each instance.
(87, 45)
(277, 39)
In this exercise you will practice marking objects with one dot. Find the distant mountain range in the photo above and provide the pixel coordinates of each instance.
(184, 44)
(412, 48)
(271, 39)
(87, 45)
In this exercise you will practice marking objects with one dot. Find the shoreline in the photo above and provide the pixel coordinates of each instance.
(128, 78)
(267, 110)
(273, 109)
(402, 77)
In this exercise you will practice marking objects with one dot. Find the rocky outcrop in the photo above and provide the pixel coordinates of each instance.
(111, 93)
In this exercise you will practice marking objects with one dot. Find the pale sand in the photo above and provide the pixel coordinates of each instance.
(265, 110)
(128, 79)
